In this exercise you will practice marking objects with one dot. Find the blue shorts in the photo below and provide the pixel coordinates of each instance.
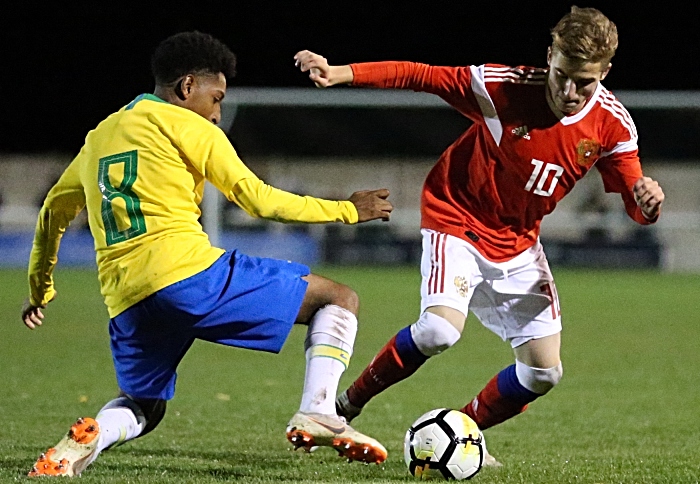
(248, 302)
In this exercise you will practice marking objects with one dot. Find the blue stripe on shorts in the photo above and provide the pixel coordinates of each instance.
(242, 301)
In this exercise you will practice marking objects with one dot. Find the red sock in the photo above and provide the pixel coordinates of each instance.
(385, 369)
(489, 407)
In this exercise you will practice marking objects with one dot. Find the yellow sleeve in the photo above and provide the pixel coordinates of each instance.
(212, 154)
(263, 201)
(62, 204)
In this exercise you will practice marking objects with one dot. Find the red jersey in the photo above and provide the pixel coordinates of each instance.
(496, 182)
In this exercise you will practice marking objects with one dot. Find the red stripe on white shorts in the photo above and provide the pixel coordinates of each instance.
(436, 282)
(442, 263)
(433, 266)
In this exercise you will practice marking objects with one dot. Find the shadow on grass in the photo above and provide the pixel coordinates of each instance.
(191, 465)
(180, 464)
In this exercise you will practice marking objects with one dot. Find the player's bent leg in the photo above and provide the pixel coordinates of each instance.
(120, 420)
(329, 343)
(330, 309)
(437, 329)
(509, 392)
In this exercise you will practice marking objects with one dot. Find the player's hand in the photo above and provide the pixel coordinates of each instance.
(32, 315)
(322, 74)
(316, 65)
(372, 204)
(649, 197)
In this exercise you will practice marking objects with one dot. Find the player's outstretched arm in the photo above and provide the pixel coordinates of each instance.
(322, 74)
(372, 205)
(649, 197)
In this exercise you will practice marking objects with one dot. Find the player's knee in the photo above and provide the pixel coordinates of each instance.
(433, 334)
(346, 297)
(322, 292)
(538, 380)
(148, 411)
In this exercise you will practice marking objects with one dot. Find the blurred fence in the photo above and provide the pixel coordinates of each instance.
(329, 143)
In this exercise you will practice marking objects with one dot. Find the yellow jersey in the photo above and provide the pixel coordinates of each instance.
(141, 175)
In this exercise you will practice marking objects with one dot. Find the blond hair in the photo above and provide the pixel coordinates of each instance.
(585, 34)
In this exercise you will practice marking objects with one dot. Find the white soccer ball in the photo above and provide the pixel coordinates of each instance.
(444, 444)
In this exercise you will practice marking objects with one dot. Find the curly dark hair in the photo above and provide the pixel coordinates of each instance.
(191, 52)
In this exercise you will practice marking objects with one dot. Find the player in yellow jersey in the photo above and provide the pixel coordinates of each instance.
(140, 175)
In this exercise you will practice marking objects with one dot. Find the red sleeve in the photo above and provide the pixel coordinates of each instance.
(620, 172)
(453, 84)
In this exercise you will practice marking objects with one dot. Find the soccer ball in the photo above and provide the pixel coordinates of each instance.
(444, 444)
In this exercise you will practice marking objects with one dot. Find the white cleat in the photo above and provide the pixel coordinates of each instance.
(310, 430)
(72, 454)
(489, 460)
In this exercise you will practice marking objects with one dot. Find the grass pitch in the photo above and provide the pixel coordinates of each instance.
(626, 410)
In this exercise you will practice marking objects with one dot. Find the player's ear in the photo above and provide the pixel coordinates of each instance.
(605, 72)
(549, 55)
(183, 89)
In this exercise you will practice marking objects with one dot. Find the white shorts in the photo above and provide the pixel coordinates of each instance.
(515, 299)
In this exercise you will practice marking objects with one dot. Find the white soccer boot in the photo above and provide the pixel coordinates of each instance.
(489, 460)
(72, 454)
(309, 430)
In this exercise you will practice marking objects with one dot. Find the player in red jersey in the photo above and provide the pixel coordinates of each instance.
(535, 133)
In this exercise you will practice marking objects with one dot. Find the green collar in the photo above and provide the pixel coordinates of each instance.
(141, 97)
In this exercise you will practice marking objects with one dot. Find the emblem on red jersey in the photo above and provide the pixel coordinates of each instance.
(462, 285)
(587, 152)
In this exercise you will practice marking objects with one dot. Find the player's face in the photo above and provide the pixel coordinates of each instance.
(571, 82)
(204, 95)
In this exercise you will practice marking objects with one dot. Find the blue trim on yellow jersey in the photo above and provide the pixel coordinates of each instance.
(141, 97)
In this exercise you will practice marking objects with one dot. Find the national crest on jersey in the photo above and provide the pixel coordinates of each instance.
(587, 152)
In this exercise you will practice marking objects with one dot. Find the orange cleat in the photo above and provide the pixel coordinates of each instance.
(72, 454)
(310, 430)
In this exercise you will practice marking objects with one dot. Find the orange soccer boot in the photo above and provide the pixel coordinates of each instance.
(72, 454)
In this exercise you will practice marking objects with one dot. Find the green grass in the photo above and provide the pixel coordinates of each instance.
(625, 412)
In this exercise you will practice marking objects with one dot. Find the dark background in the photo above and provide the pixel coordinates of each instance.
(66, 66)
